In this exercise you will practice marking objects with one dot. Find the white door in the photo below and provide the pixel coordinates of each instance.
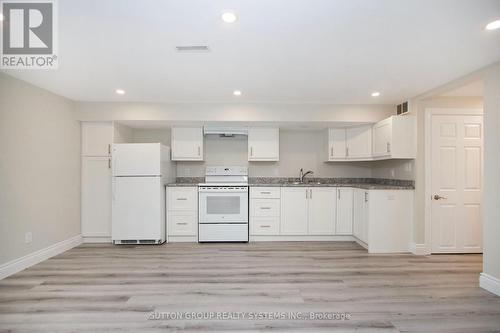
(187, 144)
(322, 203)
(136, 159)
(137, 209)
(456, 183)
(96, 197)
(344, 211)
(336, 143)
(359, 142)
(294, 210)
(263, 144)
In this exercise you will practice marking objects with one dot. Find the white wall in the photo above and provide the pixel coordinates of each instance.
(491, 213)
(39, 168)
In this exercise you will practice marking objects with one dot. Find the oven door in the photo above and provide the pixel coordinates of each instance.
(218, 205)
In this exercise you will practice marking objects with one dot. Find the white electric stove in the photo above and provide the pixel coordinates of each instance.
(223, 205)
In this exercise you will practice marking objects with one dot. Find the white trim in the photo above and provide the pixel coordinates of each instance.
(34, 258)
(428, 113)
(490, 283)
(291, 238)
(419, 249)
(94, 239)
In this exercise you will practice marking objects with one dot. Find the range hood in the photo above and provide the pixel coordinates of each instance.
(225, 131)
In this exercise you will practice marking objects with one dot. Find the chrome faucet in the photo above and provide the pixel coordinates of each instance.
(302, 175)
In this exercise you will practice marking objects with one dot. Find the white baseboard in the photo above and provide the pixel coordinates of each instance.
(490, 283)
(419, 249)
(339, 238)
(34, 258)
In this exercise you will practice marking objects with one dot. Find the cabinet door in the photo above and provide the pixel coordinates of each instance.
(360, 215)
(263, 144)
(96, 197)
(97, 138)
(322, 203)
(187, 143)
(344, 211)
(336, 143)
(294, 210)
(382, 136)
(359, 142)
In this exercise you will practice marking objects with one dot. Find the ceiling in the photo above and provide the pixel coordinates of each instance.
(294, 51)
(473, 89)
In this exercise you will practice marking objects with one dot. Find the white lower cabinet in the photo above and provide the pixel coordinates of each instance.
(344, 211)
(308, 211)
(182, 214)
(264, 226)
(96, 198)
(360, 215)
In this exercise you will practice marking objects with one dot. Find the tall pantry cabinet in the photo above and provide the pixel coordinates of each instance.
(97, 138)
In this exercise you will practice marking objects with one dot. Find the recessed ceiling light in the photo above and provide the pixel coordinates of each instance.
(237, 93)
(229, 17)
(120, 91)
(375, 94)
(493, 25)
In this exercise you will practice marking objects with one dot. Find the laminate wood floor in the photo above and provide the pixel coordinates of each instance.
(105, 288)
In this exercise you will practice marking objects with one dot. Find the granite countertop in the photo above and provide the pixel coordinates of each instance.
(363, 183)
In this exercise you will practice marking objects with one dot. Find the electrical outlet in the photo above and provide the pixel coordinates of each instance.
(28, 237)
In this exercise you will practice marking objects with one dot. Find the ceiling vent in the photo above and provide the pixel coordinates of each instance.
(193, 48)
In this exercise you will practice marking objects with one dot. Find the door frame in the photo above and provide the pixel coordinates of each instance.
(428, 113)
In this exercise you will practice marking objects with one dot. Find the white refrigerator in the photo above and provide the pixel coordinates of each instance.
(140, 172)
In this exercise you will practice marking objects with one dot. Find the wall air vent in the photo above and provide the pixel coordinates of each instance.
(403, 108)
(193, 48)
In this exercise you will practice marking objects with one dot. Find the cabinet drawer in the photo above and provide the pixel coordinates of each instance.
(265, 207)
(265, 192)
(182, 224)
(182, 198)
(264, 225)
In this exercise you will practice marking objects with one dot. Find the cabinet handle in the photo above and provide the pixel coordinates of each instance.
(199, 151)
(331, 151)
(182, 199)
(265, 207)
(306, 194)
(267, 192)
(338, 194)
(181, 223)
(347, 151)
(388, 147)
(109, 149)
(109, 163)
(251, 151)
(265, 226)
(366, 196)
(310, 194)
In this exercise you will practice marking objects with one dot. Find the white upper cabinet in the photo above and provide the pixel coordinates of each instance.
(394, 137)
(263, 144)
(187, 144)
(97, 138)
(336, 144)
(359, 142)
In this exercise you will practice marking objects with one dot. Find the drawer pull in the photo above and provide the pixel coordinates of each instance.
(181, 223)
(182, 199)
(267, 192)
(265, 207)
(265, 226)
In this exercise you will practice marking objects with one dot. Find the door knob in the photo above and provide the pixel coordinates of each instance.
(438, 197)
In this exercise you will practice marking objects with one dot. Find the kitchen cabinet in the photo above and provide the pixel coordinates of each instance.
(307, 211)
(359, 142)
(394, 137)
(360, 215)
(321, 211)
(97, 138)
(182, 214)
(263, 144)
(344, 211)
(265, 210)
(187, 143)
(96, 198)
(336, 144)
